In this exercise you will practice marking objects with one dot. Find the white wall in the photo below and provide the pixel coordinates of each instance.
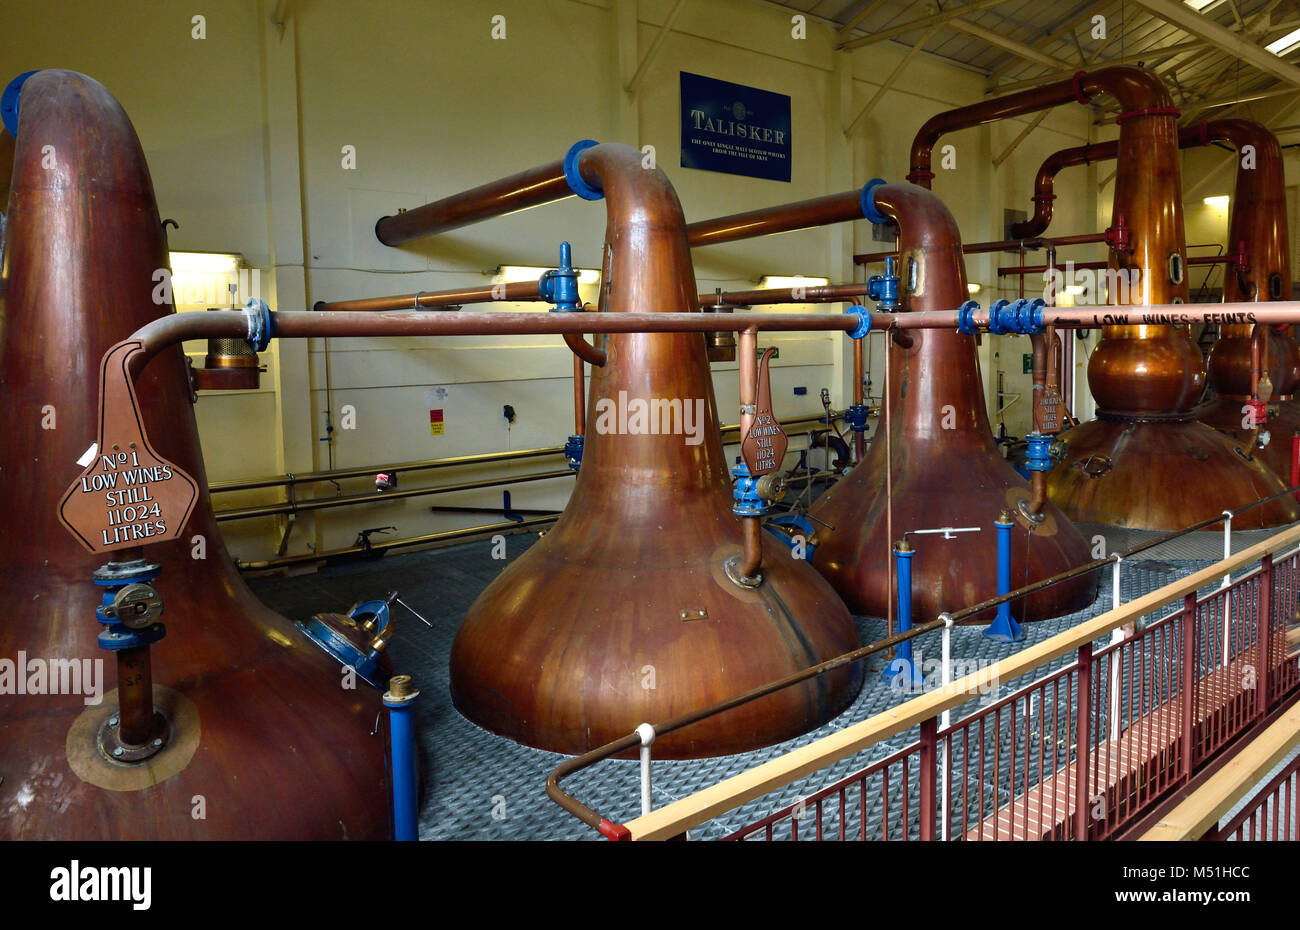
(244, 132)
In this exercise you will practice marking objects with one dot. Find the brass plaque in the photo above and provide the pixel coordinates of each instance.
(128, 495)
(763, 447)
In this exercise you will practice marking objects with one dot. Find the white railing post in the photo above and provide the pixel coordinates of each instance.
(1227, 580)
(1116, 656)
(647, 734)
(944, 721)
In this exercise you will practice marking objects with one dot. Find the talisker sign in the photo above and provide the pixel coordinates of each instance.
(734, 129)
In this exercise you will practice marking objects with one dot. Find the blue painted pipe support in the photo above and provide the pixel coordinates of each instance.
(902, 671)
(1004, 629)
(400, 701)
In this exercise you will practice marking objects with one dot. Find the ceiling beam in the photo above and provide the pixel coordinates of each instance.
(934, 19)
(1197, 45)
(1019, 49)
(847, 29)
(1185, 18)
(651, 52)
(1015, 143)
(1054, 33)
(889, 81)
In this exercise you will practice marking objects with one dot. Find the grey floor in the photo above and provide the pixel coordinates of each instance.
(476, 785)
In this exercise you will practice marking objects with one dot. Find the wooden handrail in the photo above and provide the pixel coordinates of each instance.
(1203, 808)
(676, 818)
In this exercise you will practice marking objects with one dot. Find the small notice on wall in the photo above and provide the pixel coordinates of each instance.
(734, 129)
(435, 423)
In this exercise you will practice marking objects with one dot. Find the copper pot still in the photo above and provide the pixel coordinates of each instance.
(1259, 269)
(946, 468)
(264, 742)
(623, 613)
(1145, 462)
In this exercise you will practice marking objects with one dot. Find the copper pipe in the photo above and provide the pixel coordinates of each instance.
(829, 293)
(1140, 93)
(6, 168)
(804, 214)
(579, 396)
(998, 245)
(1188, 137)
(1011, 270)
(751, 564)
(747, 351)
(521, 191)
(137, 723)
(299, 324)
(515, 291)
(583, 350)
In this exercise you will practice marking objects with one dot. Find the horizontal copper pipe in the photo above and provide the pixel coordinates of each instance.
(485, 293)
(804, 214)
(1097, 265)
(297, 324)
(530, 188)
(830, 293)
(998, 245)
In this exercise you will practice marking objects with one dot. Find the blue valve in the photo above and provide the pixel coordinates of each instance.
(1024, 317)
(883, 288)
(1039, 453)
(856, 417)
(573, 451)
(129, 607)
(560, 285)
(365, 661)
(748, 503)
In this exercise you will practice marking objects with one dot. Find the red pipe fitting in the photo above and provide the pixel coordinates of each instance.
(1117, 236)
(614, 831)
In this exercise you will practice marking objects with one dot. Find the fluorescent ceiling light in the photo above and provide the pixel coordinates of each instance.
(509, 274)
(795, 280)
(1074, 289)
(1218, 202)
(205, 262)
(1285, 44)
(1198, 5)
(972, 288)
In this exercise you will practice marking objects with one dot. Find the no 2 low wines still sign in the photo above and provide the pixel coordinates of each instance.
(734, 129)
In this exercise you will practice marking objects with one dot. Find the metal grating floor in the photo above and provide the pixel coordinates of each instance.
(477, 785)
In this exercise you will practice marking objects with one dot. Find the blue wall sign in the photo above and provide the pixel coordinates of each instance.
(734, 129)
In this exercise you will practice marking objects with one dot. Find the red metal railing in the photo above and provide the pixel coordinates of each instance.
(1273, 814)
(1148, 711)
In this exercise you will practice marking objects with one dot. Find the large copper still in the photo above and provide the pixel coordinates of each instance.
(1145, 378)
(624, 612)
(945, 470)
(1254, 230)
(264, 742)
(1259, 269)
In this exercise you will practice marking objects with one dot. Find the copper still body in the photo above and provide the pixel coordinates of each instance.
(1123, 467)
(946, 470)
(624, 613)
(263, 742)
(1251, 361)
(1145, 378)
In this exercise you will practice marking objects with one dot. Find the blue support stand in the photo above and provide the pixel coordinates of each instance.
(902, 671)
(400, 701)
(1004, 629)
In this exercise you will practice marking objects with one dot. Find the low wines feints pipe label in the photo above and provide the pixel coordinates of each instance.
(128, 495)
(763, 447)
